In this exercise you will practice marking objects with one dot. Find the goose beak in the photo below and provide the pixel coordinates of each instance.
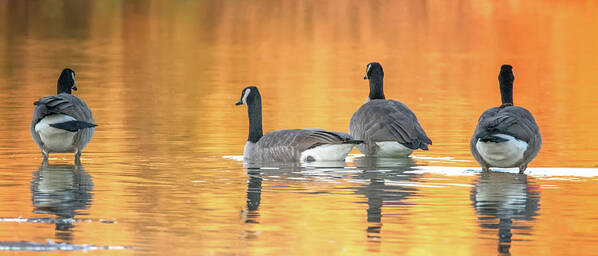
(239, 103)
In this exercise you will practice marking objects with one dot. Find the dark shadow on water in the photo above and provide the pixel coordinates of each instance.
(505, 202)
(383, 189)
(61, 190)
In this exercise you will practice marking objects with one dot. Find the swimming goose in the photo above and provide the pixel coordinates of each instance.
(506, 136)
(306, 145)
(62, 123)
(387, 127)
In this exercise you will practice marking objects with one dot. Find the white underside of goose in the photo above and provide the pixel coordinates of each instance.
(54, 139)
(392, 149)
(248, 149)
(329, 152)
(503, 154)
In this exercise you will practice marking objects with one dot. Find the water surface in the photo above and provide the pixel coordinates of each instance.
(162, 174)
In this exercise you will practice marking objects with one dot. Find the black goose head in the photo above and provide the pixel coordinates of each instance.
(505, 79)
(375, 74)
(373, 71)
(249, 96)
(66, 81)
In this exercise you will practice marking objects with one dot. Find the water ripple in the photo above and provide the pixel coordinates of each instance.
(50, 245)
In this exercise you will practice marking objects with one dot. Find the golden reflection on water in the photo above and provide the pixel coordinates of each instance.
(161, 78)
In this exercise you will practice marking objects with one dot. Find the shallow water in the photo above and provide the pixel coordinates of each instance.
(163, 175)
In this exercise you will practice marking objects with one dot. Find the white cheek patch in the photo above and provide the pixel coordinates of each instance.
(367, 71)
(245, 94)
(73, 76)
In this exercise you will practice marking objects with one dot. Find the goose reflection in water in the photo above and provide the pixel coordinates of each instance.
(256, 172)
(61, 190)
(384, 187)
(254, 195)
(510, 199)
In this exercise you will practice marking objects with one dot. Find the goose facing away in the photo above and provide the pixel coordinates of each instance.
(62, 123)
(506, 136)
(387, 127)
(290, 145)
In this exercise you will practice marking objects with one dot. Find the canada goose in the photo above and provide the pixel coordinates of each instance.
(506, 136)
(306, 145)
(62, 123)
(387, 127)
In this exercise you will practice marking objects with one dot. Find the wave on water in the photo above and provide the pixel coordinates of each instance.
(235, 158)
(53, 246)
(453, 171)
(536, 172)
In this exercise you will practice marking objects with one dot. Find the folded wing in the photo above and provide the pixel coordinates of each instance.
(389, 120)
(285, 145)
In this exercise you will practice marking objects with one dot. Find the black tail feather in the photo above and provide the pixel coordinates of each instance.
(492, 138)
(73, 126)
(353, 141)
(421, 142)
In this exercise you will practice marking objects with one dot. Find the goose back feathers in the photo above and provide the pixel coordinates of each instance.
(301, 145)
(387, 120)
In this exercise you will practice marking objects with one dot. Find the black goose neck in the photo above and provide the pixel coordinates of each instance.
(63, 88)
(254, 110)
(376, 89)
(505, 79)
(506, 93)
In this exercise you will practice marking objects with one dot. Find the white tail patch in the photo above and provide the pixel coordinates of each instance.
(54, 139)
(392, 149)
(328, 152)
(504, 154)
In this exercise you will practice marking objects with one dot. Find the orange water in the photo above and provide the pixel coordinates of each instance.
(162, 77)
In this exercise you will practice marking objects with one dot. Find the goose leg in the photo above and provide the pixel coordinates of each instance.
(485, 168)
(522, 168)
(77, 157)
(45, 162)
(46, 155)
